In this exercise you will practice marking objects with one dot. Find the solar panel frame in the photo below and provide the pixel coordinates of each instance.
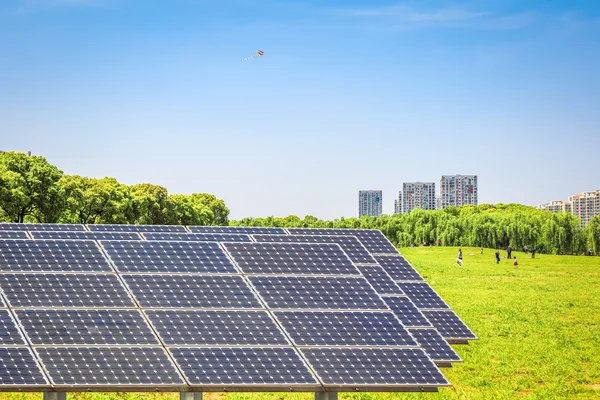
(436, 347)
(423, 295)
(96, 235)
(373, 240)
(14, 235)
(136, 228)
(407, 311)
(15, 226)
(29, 363)
(10, 334)
(381, 281)
(450, 326)
(399, 268)
(245, 230)
(197, 237)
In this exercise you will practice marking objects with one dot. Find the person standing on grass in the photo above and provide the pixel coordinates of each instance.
(509, 251)
(439, 242)
(516, 263)
(533, 252)
(481, 251)
(497, 256)
(459, 259)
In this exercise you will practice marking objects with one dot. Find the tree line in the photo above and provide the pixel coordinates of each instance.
(33, 190)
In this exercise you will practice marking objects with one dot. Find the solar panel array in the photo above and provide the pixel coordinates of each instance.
(112, 307)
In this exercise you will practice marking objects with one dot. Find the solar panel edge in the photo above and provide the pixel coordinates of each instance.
(443, 361)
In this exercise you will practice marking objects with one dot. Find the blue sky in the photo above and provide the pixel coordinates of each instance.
(349, 95)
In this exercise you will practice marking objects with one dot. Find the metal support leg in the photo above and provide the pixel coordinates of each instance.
(55, 395)
(189, 396)
(326, 396)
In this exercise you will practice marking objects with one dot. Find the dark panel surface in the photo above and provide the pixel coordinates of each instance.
(422, 295)
(398, 268)
(373, 240)
(434, 344)
(9, 334)
(100, 235)
(406, 311)
(198, 237)
(13, 235)
(244, 230)
(449, 324)
(381, 281)
(40, 227)
(136, 228)
(18, 367)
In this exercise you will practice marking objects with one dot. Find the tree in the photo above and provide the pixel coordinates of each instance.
(29, 188)
(150, 204)
(217, 206)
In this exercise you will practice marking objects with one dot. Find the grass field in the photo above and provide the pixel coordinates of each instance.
(538, 327)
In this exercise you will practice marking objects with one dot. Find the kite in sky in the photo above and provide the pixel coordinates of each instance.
(258, 54)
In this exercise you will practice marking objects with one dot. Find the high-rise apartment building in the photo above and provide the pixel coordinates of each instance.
(370, 203)
(418, 195)
(27, 153)
(458, 190)
(398, 204)
(586, 205)
(556, 206)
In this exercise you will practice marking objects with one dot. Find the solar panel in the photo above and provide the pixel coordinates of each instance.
(450, 326)
(100, 235)
(290, 258)
(108, 366)
(374, 240)
(86, 327)
(317, 328)
(406, 311)
(18, 367)
(198, 237)
(317, 293)
(422, 295)
(248, 366)
(374, 366)
(175, 291)
(13, 226)
(9, 334)
(434, 345)
(136, 228)
(64, 290)
(51, 255)
(244, 230)
(168, 257)
(13, 235)
(381, 281)
(216, 328)
(350, 244)
(398, 268)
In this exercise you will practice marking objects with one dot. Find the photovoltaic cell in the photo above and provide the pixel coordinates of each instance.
(18, 367)
(100, 235)
(449, 325)
(51, 255)
(422, 295)
(434, 345)
(61, 290)
(350, 244)
(108, 366)
(406, 311)
(191, 291)
(216, 328)
(86, 327)
(398, 268)
(168, 257)
(13, 235)
(374, 240)
(136, 228)
(198, 237)
(317, 293)
(40, 227)
(244, 230)
(374, 366)
(344, 329)
(291, 258)
(209, 366)
(9, 334)
(381, 281)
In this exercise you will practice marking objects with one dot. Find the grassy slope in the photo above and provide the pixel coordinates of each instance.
(539, 328)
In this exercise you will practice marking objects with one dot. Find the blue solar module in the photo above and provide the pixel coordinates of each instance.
(248, 366)
(374, 366)
(406, 311)
(86, 327)
(450, 326)
(317, 293)
(216, 328)
(86, 235)
(51, 255)
(64, 290)
(168, 257)
(374, 241)
(434, 345)
(198, 237)
(9, 334)
(291, 258)
(344, 328)
(13, 235)
(136, 228)
(398, 268)
(244, 230)
(18, 367)
(350, 244)
(191, 291)
(108, 366)
(381, 281)
(40, 227)
(422, 295)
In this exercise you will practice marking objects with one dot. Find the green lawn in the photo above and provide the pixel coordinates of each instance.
(538, 328)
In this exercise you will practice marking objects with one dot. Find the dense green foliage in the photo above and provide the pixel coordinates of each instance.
(32, 190)
(493, 226)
